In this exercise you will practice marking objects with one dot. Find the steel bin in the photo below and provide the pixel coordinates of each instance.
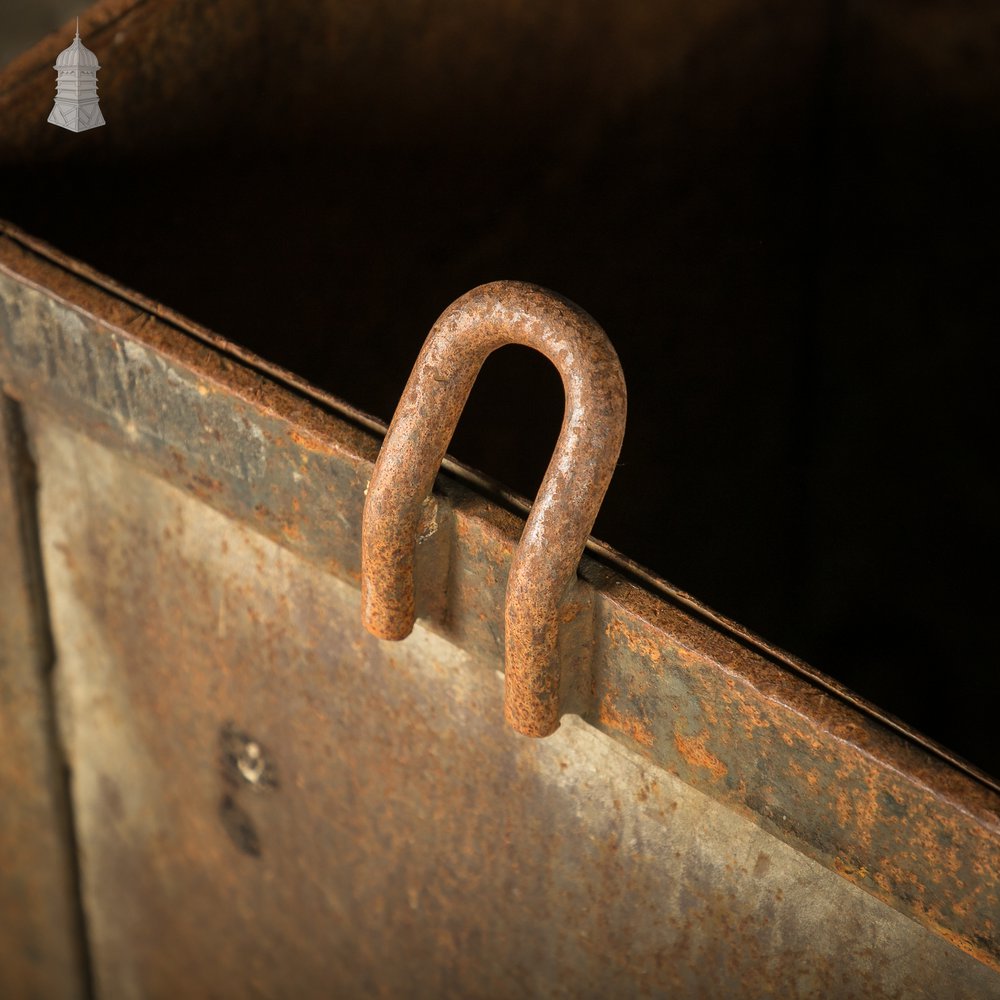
(216, 780)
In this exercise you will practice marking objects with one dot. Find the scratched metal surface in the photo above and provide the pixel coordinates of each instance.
(387, 835)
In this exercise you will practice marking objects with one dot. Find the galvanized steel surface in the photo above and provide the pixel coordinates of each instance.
(563, 513)
(405, 842)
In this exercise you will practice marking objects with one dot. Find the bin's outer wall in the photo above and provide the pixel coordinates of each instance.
(387, 834)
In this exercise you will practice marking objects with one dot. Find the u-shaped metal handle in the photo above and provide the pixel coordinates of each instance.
(488, 317)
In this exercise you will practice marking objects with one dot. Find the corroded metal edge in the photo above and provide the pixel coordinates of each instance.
(807, 766)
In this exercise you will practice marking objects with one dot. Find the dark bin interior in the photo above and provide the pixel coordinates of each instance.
(783, 213)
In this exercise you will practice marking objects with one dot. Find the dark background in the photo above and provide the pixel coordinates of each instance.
(784, 214)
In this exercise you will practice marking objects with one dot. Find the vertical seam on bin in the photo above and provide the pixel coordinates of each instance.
(26, 485)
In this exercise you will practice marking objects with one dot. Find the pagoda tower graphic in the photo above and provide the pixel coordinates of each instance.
(76, 106)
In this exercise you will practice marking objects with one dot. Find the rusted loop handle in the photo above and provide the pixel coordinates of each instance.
(488, 317)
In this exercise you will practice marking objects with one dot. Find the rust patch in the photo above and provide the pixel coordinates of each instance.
(618, 632)
(708, 710)
(854, 872)
(636, 728)
(688, 657)
(694, 751)
(570, 611)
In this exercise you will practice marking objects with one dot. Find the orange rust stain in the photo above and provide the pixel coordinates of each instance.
(950, 861)
(843, 809)
(981, 870)
(867, 814)
(468, 537)
(901, 878)
(694, 751)
(202, 485)
(617, 631)
(313, 443)
(688, 657)
(754, 719)
(708, 709)
(850, 871)
(636, 728)
(569, 612)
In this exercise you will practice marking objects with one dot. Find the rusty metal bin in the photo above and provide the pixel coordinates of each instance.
(216, 782)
